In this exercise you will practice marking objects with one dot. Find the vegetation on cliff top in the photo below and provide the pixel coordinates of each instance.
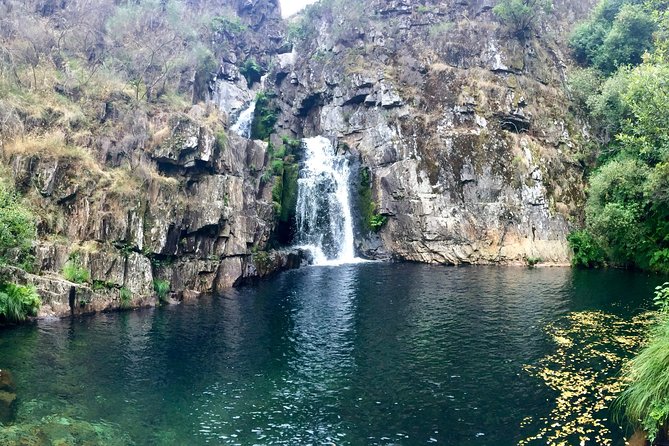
(623, 89)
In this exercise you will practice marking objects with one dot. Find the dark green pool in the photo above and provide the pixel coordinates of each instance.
(351, 355)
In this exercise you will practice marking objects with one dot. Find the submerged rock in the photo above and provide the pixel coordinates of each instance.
(7, 381)
(7, 396)
(55, 430)
(7, 406)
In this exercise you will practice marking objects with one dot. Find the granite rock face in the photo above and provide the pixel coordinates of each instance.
(465, 129)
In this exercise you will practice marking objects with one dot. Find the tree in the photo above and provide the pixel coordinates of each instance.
(646, 133)
(521, 16)
(619, 34)
(150, 44)
(631, 36)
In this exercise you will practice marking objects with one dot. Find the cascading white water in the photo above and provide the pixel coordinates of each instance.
(242, 126)
(324, 220)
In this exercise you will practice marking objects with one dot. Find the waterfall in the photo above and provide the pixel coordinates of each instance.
(242, 126)
(324, 220)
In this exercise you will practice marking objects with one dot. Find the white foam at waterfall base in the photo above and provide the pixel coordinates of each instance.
(242, 126)
(324, 220)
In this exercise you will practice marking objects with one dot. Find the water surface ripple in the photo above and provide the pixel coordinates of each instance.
(363, 354)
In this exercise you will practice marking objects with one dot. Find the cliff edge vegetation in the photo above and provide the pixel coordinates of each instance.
(622, 89)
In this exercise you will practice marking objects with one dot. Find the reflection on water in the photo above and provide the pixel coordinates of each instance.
(359, 354)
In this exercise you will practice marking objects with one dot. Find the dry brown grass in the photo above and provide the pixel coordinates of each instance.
(52, 145)
(160, 136)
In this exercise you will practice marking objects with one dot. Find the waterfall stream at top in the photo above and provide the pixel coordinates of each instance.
(324, 220)
(242, 126)
(244, 122)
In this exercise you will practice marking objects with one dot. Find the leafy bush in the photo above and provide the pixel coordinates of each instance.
(232, 26)
(251, 71)
(74, 272)
(162, 288)
(17, 228)
(645, 134)
(583, 85)
(586, 41)
(619, 33)
(264, 118)
(533, 261)
(377, 221)
(646, 400)
(221, 140)
(631, 35)
(587, 252)
(608, 108)
(521, 15)
(18, 302)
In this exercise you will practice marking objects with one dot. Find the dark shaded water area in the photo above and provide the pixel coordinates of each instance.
(373, 353)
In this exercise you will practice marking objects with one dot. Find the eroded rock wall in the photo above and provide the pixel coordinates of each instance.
(152, 193)
(465, 127)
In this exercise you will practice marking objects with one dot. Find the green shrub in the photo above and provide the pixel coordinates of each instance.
(661, 298)
(291, 145)
(631, 35)
(618, 34)
(608, 108)
(17, 302)
(221, 140)
(587, 252)
(125, 296)
(532, 261)
(99, 285)
(377, 221)
(521, 16)
(74, 272)
(277, 166)
(17, 229)
(645, 402)
(162, 289)
(371, 219)
(264, 118)
(262, 260)
(584, 84)
(251, 71)
(232, 26)
(586, 41)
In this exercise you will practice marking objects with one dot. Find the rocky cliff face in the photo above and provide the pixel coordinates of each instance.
(151, 194)
(460, 134)
(465, 128)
